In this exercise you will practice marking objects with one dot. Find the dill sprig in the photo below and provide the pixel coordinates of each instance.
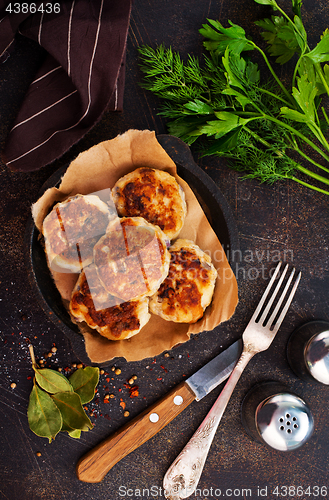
(169, 77)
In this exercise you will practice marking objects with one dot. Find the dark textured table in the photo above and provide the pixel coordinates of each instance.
(283, 220)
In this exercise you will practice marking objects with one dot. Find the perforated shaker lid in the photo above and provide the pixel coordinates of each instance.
(284, 421)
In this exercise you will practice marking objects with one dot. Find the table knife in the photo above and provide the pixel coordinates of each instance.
(93, 466)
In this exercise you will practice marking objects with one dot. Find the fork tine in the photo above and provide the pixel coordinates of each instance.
(283, 294)
(262, 300)
(287, 305)
(274, 294)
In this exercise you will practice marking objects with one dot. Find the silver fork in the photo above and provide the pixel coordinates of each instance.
(182, 477)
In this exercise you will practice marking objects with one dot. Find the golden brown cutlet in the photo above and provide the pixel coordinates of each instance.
(131, 258)
(154, 195)
(187, 291)
(71, 230)
(112, 318)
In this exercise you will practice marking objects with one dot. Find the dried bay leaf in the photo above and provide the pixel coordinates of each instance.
(84, 382)
(44, 418)
(75, 433)
(52, 381)
(54, 406)
(73, 414)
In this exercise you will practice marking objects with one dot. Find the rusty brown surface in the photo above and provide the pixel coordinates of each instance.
(282, 220)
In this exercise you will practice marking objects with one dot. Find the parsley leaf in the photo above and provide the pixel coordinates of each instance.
(283, 39)
(218, 38)
(321, 52)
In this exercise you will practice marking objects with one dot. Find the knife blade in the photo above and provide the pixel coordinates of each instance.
(93, 466)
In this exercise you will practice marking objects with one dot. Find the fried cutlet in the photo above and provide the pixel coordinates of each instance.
(71, 230)
(154, 195)
(188, 289)
(111, 318)
(132, 258)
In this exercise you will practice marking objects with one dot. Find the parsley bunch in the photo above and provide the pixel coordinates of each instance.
(267, 129)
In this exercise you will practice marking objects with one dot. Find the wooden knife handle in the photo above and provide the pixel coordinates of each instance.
(93, 466)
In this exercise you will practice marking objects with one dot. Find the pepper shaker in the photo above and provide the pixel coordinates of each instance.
(274, 416)
(308, 352)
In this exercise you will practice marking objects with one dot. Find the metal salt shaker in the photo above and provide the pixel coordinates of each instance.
(273, 415)
(308, 352)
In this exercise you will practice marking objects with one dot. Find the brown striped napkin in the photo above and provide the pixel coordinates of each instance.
(81, 76)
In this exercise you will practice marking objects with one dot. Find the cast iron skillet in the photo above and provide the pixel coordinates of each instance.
(211, 199)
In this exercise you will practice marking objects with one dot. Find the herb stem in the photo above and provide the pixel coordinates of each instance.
(312, 174)
(294, 76)
(297, 165)
(319, 134)
(325, 114)
(306, 184)
(297, 133)
(294, 27)
(305, 48)
(34, 363)
(304, 155)
(283, 88)
(319, 71)
(275, 96)
(262, 141)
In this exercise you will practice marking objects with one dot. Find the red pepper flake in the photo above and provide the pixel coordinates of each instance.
(159, 378)
(120, 390)
(107, 416)
(154, 361)
(29, 377)
(188, 355)
(107, 379)
(123, 405)
(133, 390)
(165, 369)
